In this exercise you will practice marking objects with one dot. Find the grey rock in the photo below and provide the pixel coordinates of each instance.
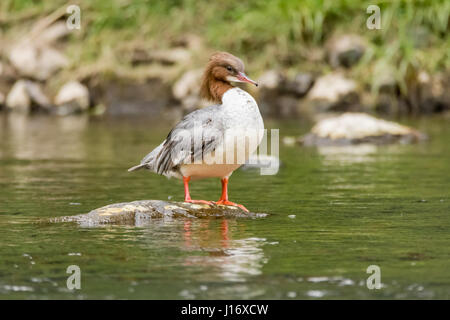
(333, 92)
(144, 211)
(187, 90)
(18, 98)
(122, 97)
(271, 79)
(188, 84)
(356, 128)
(299, 86)
(71, 98)
(345, 50)
(24, 94)
(37, 61)
(269, 92)
(53, 33)
(37, 95)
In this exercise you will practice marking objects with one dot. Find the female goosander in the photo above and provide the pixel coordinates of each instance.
(214, 131)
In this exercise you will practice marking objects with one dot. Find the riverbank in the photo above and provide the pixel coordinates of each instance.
(139, 59)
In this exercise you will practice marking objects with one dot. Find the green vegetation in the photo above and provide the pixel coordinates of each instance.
(280, 33)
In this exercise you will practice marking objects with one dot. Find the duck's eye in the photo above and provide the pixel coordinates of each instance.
(229, 68)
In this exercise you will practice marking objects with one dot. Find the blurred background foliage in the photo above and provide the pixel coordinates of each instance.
(285, 34)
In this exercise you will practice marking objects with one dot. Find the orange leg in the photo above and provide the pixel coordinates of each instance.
(224, 197)
(187, 196)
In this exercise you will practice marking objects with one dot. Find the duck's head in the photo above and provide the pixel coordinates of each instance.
(222, 69)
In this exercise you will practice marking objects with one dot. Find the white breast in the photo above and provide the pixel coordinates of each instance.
(243, 132)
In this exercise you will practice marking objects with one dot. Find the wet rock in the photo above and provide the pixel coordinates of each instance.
(140, 212)
(73, 97)
(299, 86)
(333, 92)
(36, 61)
(354, 128)
(18, 98)
(345, 50)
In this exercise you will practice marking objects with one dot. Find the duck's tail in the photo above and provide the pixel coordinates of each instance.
(149, 160)
(138, 167)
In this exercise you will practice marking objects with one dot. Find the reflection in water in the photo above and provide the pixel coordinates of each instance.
(44, 137)
(230, 259)
(349, 154)
(211, 245)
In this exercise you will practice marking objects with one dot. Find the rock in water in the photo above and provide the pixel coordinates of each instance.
(24, 94)
(18, 98)
(140, 212)
(353, 128)
(72, 97)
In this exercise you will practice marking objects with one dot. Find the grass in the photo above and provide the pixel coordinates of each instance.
(266, 34)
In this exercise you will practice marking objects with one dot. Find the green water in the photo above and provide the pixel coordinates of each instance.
(385, 206)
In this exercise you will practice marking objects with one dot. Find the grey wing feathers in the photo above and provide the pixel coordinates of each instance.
(196, 135)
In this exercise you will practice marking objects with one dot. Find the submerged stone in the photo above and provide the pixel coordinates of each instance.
(138, 212)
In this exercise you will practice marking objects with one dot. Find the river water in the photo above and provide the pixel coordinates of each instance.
(333, 212)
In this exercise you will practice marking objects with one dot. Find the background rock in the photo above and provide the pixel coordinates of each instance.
(270, 80)
(333, 92)
(345, 50)
(37, 62)
(187, 90)
(18, 98)
(72, 97)
(37, 95)
(24, 94)
(152, 97)
(299, 86)
(53, 33)
(355, 128)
